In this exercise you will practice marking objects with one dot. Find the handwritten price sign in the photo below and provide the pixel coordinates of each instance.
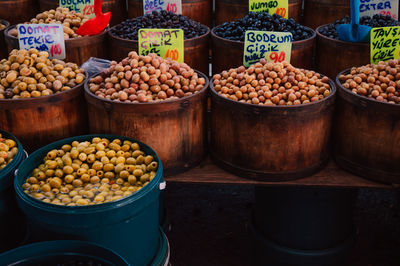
(273, 46)
(384, 7)
(80, 6)
(385, 44)
(44, 37)
(164, 42)
(175, 6)
(280, 7)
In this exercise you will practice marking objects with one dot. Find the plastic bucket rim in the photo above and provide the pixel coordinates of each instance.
(156, 181)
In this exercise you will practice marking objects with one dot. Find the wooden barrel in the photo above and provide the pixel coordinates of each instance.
(175, 129)
(77, 50)
(39, 121)
(3, 46)
(18, 11)
(229, 54)
(332, 56)
(198, 10)
(367, 136)
(195, 50)
(228, 10)
(117, 7)
(320, 12)
(270, 143)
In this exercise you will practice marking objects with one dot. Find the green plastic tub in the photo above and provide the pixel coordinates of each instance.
(128, 226)
(12, 221)
(61, 251)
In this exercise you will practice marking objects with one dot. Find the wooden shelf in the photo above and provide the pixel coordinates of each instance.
(331, 176)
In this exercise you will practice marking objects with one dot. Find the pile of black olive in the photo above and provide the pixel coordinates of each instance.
(263, 21)
(129, 28)
(374, 22)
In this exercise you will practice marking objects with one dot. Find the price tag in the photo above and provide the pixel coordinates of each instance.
(44, 37)
(164, 42)
(273, 46)
(280, 7)
(80, 6)
(385, 44)
(175, 6)
(384, 7)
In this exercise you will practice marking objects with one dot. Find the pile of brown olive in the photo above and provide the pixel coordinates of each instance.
(146, 79)
(8, 150)
(91, 172)
(70, 20)
(31, 73)
(2, 26)
(271, 84)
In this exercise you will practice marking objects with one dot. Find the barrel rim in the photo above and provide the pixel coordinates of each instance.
(240, 42)
(336, 40)
(154, 183)
(5, 23)
(47, 98)
(112, 36)
(276, 107)
(165, 102)
(358, 97)
(67, 41)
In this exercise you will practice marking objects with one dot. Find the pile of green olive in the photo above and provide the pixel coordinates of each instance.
(8, 150)
(91, 172)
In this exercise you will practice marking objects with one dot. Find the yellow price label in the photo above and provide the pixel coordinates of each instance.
(273, 46)
(280, 7)
(385, 44)
(85, 7)
(164, 42)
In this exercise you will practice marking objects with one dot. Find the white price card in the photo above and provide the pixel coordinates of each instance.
(175, 6)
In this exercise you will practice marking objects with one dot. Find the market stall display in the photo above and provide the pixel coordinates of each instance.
(228, 10)
(333, 55)
(78, 48)
(155, 100)
(116, 7)
(228, 40)
(295, 146)
(123, 38)
(128, 226)
(41, 100)
(198, 10)
(367, 111)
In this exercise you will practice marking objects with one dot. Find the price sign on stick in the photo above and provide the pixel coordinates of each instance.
(280, 7)
(385, 44)
(383, 7)
(80, 6)
(44, 37)
(175, 6)
(164, 42)
(273, 46)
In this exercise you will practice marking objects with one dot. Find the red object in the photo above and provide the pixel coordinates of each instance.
(97, 24)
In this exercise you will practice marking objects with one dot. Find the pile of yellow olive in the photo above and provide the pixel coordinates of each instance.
(8, 150)
(91, 172)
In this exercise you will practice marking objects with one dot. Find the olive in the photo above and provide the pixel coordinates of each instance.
(8, 150)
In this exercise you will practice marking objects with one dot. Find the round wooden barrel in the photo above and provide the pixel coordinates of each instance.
(3, 46)
(229, 54)
(175, 129)
(77, 50)
(18, 11)
(117, 7)
(195, 50)
(367, 136)
(198, 10)
(320, 12)
(39, 121)
(270, 143)
(332, 56)
(228, 10)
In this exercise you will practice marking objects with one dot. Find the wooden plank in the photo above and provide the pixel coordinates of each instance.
(331, 176)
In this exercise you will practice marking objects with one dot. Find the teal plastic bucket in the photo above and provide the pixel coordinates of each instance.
(61, 251)
(128, 226)
(12, 221)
